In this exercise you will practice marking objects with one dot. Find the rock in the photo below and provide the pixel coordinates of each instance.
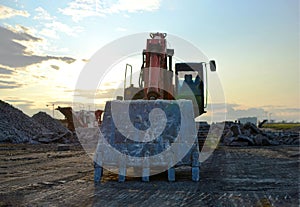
(62, 134)
(228, 140)
(49, 123)
(246, 132)
(254, 136)
(229, 134)
(239, 144)
(289, 141)
(17, 127)
(296, 142)
(266, 142)
(262, 140)
(236, 130)
(270, 135)
(253, 128)
(244, 138)
(258, 139)
(274, 142)
(45, 140)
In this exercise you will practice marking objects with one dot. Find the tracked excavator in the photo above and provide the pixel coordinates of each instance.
(152, 128)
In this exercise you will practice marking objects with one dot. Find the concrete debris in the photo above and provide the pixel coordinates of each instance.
(235, 134)
(244, 138)
(235, 129)
(239, 143)
(17, 127)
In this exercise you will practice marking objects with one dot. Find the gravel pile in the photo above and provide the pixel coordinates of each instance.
(235, 134)
(17, 127)
(50, 123)
(53, 125)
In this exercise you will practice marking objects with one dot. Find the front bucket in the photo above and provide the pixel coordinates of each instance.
(152, 135)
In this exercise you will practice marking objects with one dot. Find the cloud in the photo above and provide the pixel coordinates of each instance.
(134, 6)
(51, 26)
(54, 67)
(6, 71)
(7, 12)
(15, 53)
(222, 111)
(9, 84)
(42, 14)
(41, 77)
(109, 93)
(21, 29)
(17, 100)
(121, 29)
(27, 106)
(49, 33)
(79, 9)
(233, 112)
(56, 26)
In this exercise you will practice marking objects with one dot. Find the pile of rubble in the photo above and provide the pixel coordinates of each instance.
(235, 134)
(17, 127)
(57, 129)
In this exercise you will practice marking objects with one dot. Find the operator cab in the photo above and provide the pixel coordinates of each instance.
(189, 84)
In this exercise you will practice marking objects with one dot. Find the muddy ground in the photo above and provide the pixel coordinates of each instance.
(40, 175)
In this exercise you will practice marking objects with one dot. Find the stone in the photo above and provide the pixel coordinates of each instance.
(296, 142)
(274, 142)
(258, 139)
(229, 134)
(239, 144)
(289, 141)
(254, 129)
(229, 140)
(236, 130)
(245, 138)
(266, 142)
(17, 127)
(254, 136)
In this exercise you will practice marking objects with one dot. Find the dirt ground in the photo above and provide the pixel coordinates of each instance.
(40, 175)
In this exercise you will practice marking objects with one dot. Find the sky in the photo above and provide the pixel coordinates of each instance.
(44, 45)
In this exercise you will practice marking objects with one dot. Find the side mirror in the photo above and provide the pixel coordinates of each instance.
(212, 65)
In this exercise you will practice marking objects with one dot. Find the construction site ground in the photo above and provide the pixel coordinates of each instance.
(40, 175)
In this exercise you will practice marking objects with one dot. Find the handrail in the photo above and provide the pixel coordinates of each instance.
(128, 65)
(206, 86)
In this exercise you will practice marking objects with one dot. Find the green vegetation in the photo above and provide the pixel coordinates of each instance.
(281, 126)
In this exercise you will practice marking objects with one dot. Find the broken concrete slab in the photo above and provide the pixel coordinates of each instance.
(244, 138)
(235, 130)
